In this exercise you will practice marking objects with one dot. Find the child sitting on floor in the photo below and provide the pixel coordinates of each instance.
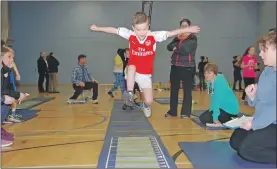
(6, 72)
(8, 96)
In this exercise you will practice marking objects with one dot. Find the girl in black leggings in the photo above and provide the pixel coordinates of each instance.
(249, 64)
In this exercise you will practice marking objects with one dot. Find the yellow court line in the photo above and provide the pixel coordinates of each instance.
(180, 163)
(78, 130)
(58, 136)
(61, 166)
(105, 129)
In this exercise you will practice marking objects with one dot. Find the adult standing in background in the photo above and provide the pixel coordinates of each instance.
(182, 69)
(201, 66)
(124, 54)
(119, 62)
(237, 72)
(42, 66)
(53, 64)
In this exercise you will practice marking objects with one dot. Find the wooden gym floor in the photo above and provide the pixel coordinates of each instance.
(66, 136)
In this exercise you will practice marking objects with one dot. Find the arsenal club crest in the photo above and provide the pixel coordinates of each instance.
(148, 43)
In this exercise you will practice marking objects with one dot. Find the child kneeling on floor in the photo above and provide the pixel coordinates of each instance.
(223, 103)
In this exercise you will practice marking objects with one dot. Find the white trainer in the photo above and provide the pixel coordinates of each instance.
(146, 110)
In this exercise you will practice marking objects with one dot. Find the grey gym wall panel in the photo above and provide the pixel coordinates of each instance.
(63, 28)
(227, 29)
(267, 16)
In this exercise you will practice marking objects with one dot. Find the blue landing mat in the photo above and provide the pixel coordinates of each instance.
(199, 123)
(216, 155)
(28, 104)
(27, 114)
(197, 113)
(131, 142)
(166, 100)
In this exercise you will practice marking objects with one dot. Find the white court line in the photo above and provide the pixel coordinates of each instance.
(107, 161)
(61, 166)
(160, 151)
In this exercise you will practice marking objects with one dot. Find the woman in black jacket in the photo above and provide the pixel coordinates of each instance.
(182, 69)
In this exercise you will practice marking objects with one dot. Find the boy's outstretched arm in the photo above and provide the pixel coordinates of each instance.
(123, 32)
(191, 29)
(111, 30)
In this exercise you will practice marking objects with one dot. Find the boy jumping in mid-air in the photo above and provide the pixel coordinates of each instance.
(142, 45)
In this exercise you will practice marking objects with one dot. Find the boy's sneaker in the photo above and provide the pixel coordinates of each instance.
(7, 122)
(5, 142)
(124, 107)
(146, 110)
(138, 105)
(7, 135)
(128, 98)
(110, 93)
(14, 118)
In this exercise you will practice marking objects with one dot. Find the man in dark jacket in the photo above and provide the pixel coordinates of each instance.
(53, 64)
(201, 66)
(43, 71)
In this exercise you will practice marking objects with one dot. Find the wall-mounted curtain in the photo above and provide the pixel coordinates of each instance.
(4, 20)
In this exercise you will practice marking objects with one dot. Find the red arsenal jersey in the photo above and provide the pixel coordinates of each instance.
(142, 52)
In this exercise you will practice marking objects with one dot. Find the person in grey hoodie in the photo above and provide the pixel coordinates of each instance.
(182, 70)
